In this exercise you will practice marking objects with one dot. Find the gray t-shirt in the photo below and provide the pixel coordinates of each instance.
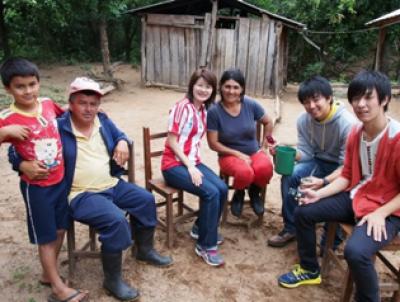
(236, 132)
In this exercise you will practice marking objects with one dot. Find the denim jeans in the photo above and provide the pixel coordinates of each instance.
(319, 168)
(212, 192)
(359, 247)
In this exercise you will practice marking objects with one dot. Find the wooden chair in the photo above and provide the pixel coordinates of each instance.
(229, 182)
(89, 248)
(158, 185)
(330, 256)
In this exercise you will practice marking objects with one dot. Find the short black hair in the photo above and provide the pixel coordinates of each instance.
(368, 80)
(14, 67)
(314, 86)
(237, 76)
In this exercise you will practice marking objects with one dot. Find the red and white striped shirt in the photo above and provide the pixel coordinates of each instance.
(189, 125)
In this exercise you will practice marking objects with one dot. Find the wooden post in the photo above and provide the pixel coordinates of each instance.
(277, 74)
(211, 37)
(143, 50)
(379, 48)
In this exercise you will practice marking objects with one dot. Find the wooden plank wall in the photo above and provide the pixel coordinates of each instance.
(175, 47)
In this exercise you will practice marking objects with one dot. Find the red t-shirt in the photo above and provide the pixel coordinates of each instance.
(189, 125)
(43, 143)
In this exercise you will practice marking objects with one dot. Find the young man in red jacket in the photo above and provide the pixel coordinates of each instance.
(367, 193)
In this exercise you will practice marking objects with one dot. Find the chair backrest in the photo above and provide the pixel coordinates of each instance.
(151, 151)
(130, 166)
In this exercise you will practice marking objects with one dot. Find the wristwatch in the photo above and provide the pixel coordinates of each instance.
(325, 182)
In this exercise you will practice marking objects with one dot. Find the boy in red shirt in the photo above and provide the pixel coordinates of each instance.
(367, 192)
(45, 198)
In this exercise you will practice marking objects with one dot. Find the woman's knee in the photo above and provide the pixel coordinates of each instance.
(354, 253)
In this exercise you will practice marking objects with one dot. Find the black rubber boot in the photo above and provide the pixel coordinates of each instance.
(112, 267)
(237, 203)
(145, 251)
(255, 199)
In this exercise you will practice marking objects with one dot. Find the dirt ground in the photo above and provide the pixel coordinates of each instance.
(251, 266)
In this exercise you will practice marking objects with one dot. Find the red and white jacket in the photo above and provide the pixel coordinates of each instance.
(189, 125)
(384, 184)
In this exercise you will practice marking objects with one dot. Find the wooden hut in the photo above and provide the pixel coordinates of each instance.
(383, 22)
(179, 36)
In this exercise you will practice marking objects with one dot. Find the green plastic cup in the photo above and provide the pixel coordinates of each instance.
(284, 160)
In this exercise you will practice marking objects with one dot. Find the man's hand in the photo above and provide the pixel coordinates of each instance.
(34, 169)
(309, 196)
(16, 131)
(375, 225)
(196, 176)
(121, 153)
(311, 182)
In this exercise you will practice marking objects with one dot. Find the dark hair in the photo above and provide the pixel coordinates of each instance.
(73, 96)
(17, 67)
(209, 77)
(314, 86)
(365, 82)
(237, 76)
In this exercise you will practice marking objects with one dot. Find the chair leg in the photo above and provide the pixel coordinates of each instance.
(263, 195)
(180, 203)
(170, 221)
(71, 249)
(348, 287)
(330, 238)
(92, 238)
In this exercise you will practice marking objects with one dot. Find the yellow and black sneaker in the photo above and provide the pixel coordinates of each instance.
(299, 276)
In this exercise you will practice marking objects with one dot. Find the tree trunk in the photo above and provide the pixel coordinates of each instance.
(104, 49)
(3, 32)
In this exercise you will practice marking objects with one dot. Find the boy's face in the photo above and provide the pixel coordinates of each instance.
(318, 106)
(84, 108)
(367, 107)
(25, 91)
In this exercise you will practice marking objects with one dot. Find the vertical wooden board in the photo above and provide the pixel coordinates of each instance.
(215, 54)
(254, 45)
(157, 54)
(270, 59)
(174, 68)
(262, 55)
(198, 49)
(230, 49)
(149, 54)
(243, 44)
(190, 46)
(285, 53)
(143, 51)
(182, 67)
(203, 46)
(165, 56)
(277, 78)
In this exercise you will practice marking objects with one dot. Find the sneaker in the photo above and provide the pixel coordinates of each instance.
(194, 233)
(210, 256)
(281, 239)
(299, 276)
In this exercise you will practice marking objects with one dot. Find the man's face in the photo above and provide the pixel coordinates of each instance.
(84, 108)
(25, 91)
(367, 107)
(318, 106)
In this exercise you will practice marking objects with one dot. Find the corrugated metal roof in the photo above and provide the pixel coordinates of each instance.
(203, 6)
(388, 19)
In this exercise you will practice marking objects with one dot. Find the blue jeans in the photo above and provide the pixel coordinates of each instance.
(105, 211)
(302, 169)
(212, 192)
(359, 248)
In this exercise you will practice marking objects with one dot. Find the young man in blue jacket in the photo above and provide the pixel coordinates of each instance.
(95, 151)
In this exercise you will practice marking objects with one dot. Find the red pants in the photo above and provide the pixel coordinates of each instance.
(258, 172)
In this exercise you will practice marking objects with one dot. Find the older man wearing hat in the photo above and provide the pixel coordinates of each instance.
(94, 150)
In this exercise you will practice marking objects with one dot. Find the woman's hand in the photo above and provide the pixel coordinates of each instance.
(243, 157)
(196, 176)
(376, 225)
(34, 170)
